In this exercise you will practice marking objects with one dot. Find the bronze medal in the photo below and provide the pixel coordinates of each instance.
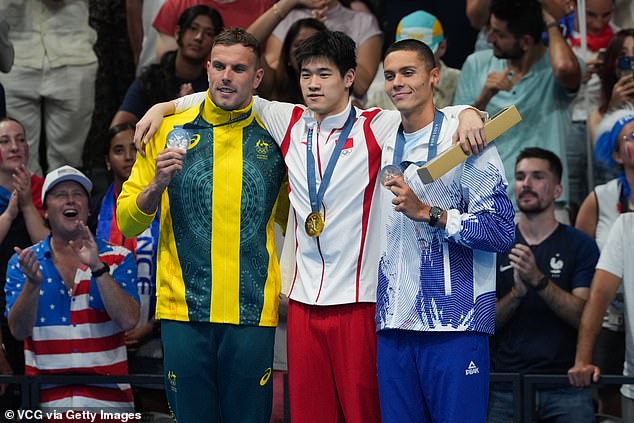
(314, 224)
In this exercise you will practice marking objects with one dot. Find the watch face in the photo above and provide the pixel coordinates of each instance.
(434, 215)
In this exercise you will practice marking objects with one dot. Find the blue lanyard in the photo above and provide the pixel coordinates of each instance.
(317, 197)
(432, 148)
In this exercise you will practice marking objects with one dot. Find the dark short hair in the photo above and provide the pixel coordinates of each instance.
(113, 131)
(422, 49)
(523, 17)
(187, 17)
(233, 36)
(10, 119)
(554, 163)
(334, 46)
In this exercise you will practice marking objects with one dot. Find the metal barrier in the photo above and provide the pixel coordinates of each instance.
(515, 379)
(528, 382)
(522, 386)
(30, 385)
(25, 390)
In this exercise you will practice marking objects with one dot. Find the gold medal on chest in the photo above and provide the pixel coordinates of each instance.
(314, 224)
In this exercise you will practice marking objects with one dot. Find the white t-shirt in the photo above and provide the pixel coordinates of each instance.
(616, 258)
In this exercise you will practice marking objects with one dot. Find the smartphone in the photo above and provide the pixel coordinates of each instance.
(598, 63)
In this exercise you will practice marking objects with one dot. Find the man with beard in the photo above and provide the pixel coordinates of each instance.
(542, 286)
(521, 70)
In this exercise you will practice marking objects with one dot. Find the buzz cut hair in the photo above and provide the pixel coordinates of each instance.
(234, 36)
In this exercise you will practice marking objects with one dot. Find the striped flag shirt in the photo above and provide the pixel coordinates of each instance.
(73, 333)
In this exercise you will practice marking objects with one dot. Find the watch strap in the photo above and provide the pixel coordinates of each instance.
(100, 272)
(542, 284)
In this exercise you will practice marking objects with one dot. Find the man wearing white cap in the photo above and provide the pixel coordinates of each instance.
(71, 297)
(425, 27)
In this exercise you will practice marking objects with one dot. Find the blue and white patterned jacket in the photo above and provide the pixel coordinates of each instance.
(432, 279)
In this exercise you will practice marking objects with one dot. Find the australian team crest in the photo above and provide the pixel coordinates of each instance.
(262, 149)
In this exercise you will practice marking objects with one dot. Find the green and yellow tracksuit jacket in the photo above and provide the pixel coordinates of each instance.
(216, 258)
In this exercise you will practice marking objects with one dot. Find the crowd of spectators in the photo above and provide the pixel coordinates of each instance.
(77, 75)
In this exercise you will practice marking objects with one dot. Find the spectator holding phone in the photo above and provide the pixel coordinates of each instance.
(617, 77)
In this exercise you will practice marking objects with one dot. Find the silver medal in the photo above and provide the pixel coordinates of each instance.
(178, 138)
(389, 172)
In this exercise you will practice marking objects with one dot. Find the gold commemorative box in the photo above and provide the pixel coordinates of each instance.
(444, 162)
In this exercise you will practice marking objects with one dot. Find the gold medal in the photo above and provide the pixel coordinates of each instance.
(314, 224)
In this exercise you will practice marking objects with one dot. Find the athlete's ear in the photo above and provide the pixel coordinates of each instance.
(434, 76)
(259, 74)
(348, 78)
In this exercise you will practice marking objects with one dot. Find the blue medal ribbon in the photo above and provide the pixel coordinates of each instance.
(432, 148)
(316, 197)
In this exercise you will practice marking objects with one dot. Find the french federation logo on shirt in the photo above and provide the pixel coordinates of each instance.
(556, 265)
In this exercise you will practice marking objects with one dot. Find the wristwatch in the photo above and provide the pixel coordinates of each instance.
(105, 269)
(435, 213)
(542, 284)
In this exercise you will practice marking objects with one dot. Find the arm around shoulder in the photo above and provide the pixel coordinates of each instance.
(152, 119)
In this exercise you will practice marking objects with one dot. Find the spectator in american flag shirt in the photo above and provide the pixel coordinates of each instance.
(71, 298)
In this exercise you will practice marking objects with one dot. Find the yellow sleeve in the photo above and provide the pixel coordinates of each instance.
(283, 206)
(131, 220)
